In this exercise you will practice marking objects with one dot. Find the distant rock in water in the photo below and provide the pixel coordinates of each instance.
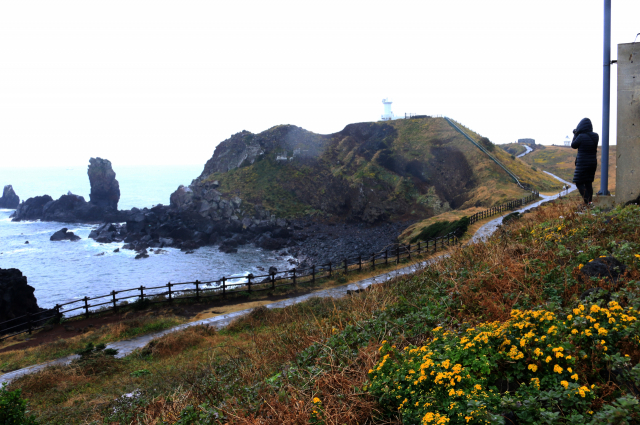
(105, 190)
(70, 208)
(64, 235)
(9, 198)
(32, 208)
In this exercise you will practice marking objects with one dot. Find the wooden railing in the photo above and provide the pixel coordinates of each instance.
(220, 288)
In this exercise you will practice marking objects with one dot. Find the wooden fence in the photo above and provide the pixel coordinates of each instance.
(507, 206)
(220, 288)
(248, 284)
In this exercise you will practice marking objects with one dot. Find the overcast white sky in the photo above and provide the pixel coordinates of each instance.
(163, 82)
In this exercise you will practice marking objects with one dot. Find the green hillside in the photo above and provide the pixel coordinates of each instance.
(373, 171)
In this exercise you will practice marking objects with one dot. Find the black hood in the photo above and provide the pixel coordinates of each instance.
(585, 126)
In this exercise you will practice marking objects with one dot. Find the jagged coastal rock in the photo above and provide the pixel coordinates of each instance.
(70, 208)
(64, 235)
(105, 190)
(16, 296)
(9, 198)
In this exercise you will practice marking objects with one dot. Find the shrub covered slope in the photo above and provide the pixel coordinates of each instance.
(537, 326)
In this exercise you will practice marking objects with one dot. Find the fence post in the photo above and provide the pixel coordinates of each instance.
(249, 282)
(409, 251)
(313, 274)
(330, 269)
(224, 287)
(386, 256)
(419, 243)
(273, 280)
(398, 254)
(141, 294)
(197, 290)
(373, 261)
(113, 300)
(294, 278)
(86, 306)
(359, 263)
(346, 267)
(58, 314)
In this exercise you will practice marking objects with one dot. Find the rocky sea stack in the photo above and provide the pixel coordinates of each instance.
(105, 190)
(9, 198)
(70, 208)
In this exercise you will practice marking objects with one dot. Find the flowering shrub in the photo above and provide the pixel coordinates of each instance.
(538, 365)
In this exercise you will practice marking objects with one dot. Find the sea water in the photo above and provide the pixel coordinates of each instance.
(66, 271)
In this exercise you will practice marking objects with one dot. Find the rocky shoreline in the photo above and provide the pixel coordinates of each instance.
(199, 215)
(319, 242)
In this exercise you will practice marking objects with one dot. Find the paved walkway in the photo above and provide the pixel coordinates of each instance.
(528, 149)
(127, 346)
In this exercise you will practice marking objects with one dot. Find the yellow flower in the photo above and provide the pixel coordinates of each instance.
(557, 369)
(533, 367)
(574, 376)
(316, 400)
(548, 359)
(565, 384)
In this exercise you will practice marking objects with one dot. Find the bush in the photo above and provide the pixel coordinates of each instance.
(13, 408)
(537, 366)
(487, 144)
(442, 228)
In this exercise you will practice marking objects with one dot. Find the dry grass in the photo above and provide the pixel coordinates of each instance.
(129, 327)
(561, 162)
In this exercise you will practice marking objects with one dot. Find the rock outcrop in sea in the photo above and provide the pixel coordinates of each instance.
(9, 198)
(64, 235)
(105, 190)
(70, 208)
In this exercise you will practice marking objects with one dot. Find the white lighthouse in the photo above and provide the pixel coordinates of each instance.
(567, 142)
(388, 115)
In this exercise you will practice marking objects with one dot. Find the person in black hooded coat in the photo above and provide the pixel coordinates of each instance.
(586, 141)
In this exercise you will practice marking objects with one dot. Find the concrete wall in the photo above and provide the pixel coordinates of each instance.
(628, 150)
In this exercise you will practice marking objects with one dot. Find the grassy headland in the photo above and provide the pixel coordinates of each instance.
(508, 329)
(413, 168)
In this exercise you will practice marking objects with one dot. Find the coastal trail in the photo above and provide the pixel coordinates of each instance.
(126, 347)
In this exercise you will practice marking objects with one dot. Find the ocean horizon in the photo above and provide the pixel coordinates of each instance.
(65, 271)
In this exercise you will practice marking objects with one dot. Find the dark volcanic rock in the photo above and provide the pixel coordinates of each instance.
(64, 235)
(9, 198)
(16, 297)
(605, 267)
(105, 190)
(32, 208)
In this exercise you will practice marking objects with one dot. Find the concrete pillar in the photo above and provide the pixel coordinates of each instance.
(628, 141)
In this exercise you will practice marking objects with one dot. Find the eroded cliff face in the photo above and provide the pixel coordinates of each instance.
(244, 148)
(367, 172)
(105, 190)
